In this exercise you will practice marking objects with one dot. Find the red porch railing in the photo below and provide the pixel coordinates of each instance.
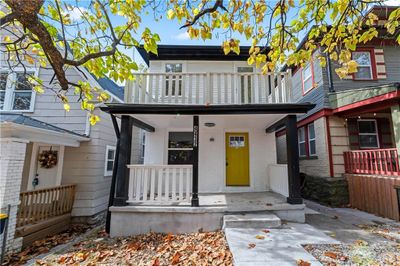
(375, 162)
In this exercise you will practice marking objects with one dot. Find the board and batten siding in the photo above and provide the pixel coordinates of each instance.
(318, 165)
(85, 166)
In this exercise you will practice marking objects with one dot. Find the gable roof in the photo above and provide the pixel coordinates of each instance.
(194, 52)
(110, 86)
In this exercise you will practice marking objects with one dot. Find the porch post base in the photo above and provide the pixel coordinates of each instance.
(120, 201)
(291, 200)
(195, 201)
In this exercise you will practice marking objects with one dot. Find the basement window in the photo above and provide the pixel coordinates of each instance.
(180, 148)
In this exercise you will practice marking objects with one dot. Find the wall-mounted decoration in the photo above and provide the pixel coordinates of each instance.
(48, 158)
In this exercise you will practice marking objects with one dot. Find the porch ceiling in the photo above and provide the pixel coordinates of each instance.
(260, 121)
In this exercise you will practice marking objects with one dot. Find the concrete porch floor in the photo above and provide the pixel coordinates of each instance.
(183, 218)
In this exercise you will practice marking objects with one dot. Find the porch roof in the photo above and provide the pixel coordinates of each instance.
(240, 109)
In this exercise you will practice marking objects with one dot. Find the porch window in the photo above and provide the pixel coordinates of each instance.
(364, 69)
(368, 133)
(176, 80)
(15, 92)
(311, 139)
(302, 142)
(308, 77)
(143, 143)
(109, 162)
(180, 148)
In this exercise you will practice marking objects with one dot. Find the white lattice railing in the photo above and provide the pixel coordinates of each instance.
(209, 88)
(160, 184)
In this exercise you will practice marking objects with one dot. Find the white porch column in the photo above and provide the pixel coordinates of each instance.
(12, 156)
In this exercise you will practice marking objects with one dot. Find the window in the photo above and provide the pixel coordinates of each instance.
(109, 162)
(173, 83)
(368, 133)
(237, 142)
(311, 139)
(302, 142)
(143, 142)
(308, 77)
(180, 148)
(307, 140)
(364, 69)
(16, 93)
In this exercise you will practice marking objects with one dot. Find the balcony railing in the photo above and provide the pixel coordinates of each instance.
(375, 162)
(160, 184)
(209, 88)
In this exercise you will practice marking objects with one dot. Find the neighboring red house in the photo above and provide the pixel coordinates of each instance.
(355, 127)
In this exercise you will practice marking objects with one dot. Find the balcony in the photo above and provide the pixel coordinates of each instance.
(372, 162)
(209, 88)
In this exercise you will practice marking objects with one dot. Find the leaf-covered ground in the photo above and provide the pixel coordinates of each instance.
(149, 249)
(361, 252)
(43, 246)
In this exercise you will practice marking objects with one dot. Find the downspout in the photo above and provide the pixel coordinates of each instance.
(329, 70)
(114, 174)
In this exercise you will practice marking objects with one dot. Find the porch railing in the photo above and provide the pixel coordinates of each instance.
(380, 161)
(41, 204)
(209, 88)
(160, 183)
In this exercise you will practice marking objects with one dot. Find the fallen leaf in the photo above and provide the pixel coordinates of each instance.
(251, 245)
(260, 237)
(155, 262)
(335, 217)
(176, 258)
(302, 263)
(265, 231)
(269, 204)
(331, 255)
(169, 237)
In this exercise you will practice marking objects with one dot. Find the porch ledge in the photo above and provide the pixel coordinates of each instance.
(205, 209)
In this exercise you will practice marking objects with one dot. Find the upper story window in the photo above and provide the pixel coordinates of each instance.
(180, 148)
(173, 83)
(368, 134)
(16, 93)
(365, 69)
(308, 77)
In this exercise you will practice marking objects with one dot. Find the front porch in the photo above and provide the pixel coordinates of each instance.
(200, 163)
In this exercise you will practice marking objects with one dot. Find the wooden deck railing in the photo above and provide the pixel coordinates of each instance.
(42, 204)
(375, 162)
(209, 88)
(160, 183)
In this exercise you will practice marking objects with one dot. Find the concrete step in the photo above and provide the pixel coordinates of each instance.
(265, 220)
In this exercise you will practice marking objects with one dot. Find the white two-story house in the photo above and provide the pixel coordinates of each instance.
(210, 146)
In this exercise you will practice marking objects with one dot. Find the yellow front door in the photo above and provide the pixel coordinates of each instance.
(237, 159)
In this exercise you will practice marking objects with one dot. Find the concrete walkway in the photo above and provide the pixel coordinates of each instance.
(342, 223)
(281, 246)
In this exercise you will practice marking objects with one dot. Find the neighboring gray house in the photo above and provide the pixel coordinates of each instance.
(54, 164)
(354, 116)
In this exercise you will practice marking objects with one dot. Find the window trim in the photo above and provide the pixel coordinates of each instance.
(9, 92)
(108, 148)
(371, 51)
(310, 139)
(368, 134)
(305, 91)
